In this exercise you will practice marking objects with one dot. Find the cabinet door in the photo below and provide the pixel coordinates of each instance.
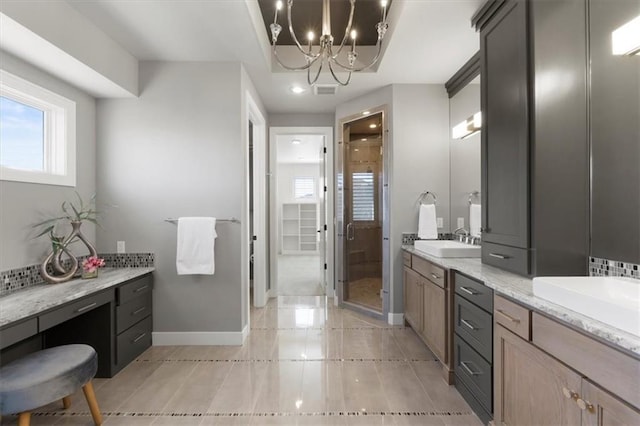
(602, 409)
(530, 386)
(505, 127)
(413, 299)
(433, 319)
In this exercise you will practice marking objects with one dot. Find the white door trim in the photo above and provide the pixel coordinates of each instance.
(327, 132)
(259, 203)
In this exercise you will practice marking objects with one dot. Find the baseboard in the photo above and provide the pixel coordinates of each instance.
(395, 319)
(199, 338)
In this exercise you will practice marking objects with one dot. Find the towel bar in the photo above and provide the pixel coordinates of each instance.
(472, 195)
(233, 220)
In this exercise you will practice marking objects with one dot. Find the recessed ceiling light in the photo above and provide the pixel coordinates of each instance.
(366, 112)
(297, 89)
(372, 126)
(296, 141)
(356, 149)
(363, 139)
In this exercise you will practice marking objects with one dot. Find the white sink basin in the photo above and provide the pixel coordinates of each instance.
(447, 248)
(612, 300)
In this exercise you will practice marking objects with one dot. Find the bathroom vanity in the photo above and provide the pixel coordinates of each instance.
(112, 313)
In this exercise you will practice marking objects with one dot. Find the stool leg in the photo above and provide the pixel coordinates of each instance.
(66, 402)
(24, 419)
(93, 404)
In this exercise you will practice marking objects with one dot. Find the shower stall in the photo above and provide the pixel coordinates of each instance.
(361, 213)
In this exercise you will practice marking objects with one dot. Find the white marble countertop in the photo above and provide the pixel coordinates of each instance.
(40, 298)
(521, 289)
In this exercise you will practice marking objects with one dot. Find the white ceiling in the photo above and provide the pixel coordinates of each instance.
(429, 41)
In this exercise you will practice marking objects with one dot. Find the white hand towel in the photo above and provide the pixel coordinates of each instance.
(195, 246)
(475, 220)
(427, 225)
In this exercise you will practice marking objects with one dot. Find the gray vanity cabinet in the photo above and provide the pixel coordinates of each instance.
(535, 153)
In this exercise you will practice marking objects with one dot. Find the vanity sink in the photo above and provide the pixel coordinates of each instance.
(612, 300)
(447, 248)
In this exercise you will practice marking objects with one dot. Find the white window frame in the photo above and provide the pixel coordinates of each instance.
(313, 186)
(59, 132)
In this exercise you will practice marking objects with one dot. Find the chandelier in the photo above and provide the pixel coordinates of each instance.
(325, 53)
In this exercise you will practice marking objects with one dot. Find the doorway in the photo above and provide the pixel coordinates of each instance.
(298, 211)
(361, 198)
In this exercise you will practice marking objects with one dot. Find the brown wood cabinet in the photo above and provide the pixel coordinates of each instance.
(413, 299)
(534, 386)
(427, 308)
(433, 318)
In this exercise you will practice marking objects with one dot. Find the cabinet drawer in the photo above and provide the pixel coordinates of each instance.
(606, 366)
(433, 273)
(71, 310)
(406, 258)
(134, 341)
(17, 332)
(505, 257)
(474, 291)
(474, 371)
(134, 289)
(133, 311)
(513, 317)
(475, 326)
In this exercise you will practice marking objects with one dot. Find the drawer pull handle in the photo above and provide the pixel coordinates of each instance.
(499, 256)
(468, 291)
(465, 365)
(85, 308)
(144, 287)
(137, 339)
(435, 277)
(468, 324)
(509, 317)
(569, 394)
(584, 405)
(137, 311)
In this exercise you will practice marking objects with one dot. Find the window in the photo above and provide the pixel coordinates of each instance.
(363, 196)
(304, 187)
(37, 134)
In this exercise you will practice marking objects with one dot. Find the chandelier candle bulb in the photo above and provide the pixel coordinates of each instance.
(383, 3)
(353, 37)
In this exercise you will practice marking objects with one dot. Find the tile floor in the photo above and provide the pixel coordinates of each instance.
(304, 363)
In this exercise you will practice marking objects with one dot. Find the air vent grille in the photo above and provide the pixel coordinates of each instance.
(325, 89)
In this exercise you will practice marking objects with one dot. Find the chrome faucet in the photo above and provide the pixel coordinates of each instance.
(463, 236)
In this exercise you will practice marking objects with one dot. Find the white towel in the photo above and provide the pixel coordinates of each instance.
(427, 224)
(195, 247)
(475, 220)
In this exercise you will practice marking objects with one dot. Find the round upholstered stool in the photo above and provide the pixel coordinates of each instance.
(46, 376)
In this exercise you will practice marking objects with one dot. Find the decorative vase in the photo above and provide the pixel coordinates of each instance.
(90, 274)
(60, 248)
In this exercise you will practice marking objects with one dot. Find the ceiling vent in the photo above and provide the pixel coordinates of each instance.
(325, 89)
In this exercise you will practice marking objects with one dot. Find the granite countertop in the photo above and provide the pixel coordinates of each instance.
(40, 298)
(521, 289)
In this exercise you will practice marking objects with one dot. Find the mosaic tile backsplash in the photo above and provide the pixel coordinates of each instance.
(408, 238)
(27, 276)
(604, 267)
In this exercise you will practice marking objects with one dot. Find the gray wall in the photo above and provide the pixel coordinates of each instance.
(465, 154)
(176, 151)
(301, 120)
(24, 204)
(418, 117)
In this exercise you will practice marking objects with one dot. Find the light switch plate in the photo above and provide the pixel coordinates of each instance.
(120, 247)
(460, 222)
(440, 222)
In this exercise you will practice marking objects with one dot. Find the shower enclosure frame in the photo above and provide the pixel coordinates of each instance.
(341, 264)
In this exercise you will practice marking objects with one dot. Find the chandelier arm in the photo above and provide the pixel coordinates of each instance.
(349, 24)
(310, 62)
(333, 58)
(293, 34)
(311, 83)
(335, 77)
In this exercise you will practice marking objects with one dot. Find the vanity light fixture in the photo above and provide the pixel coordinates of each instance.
(469, 127)
(626, 39)
(325, 52)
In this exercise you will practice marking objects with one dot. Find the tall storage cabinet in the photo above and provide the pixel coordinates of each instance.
(299, 228)
(535, 151)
